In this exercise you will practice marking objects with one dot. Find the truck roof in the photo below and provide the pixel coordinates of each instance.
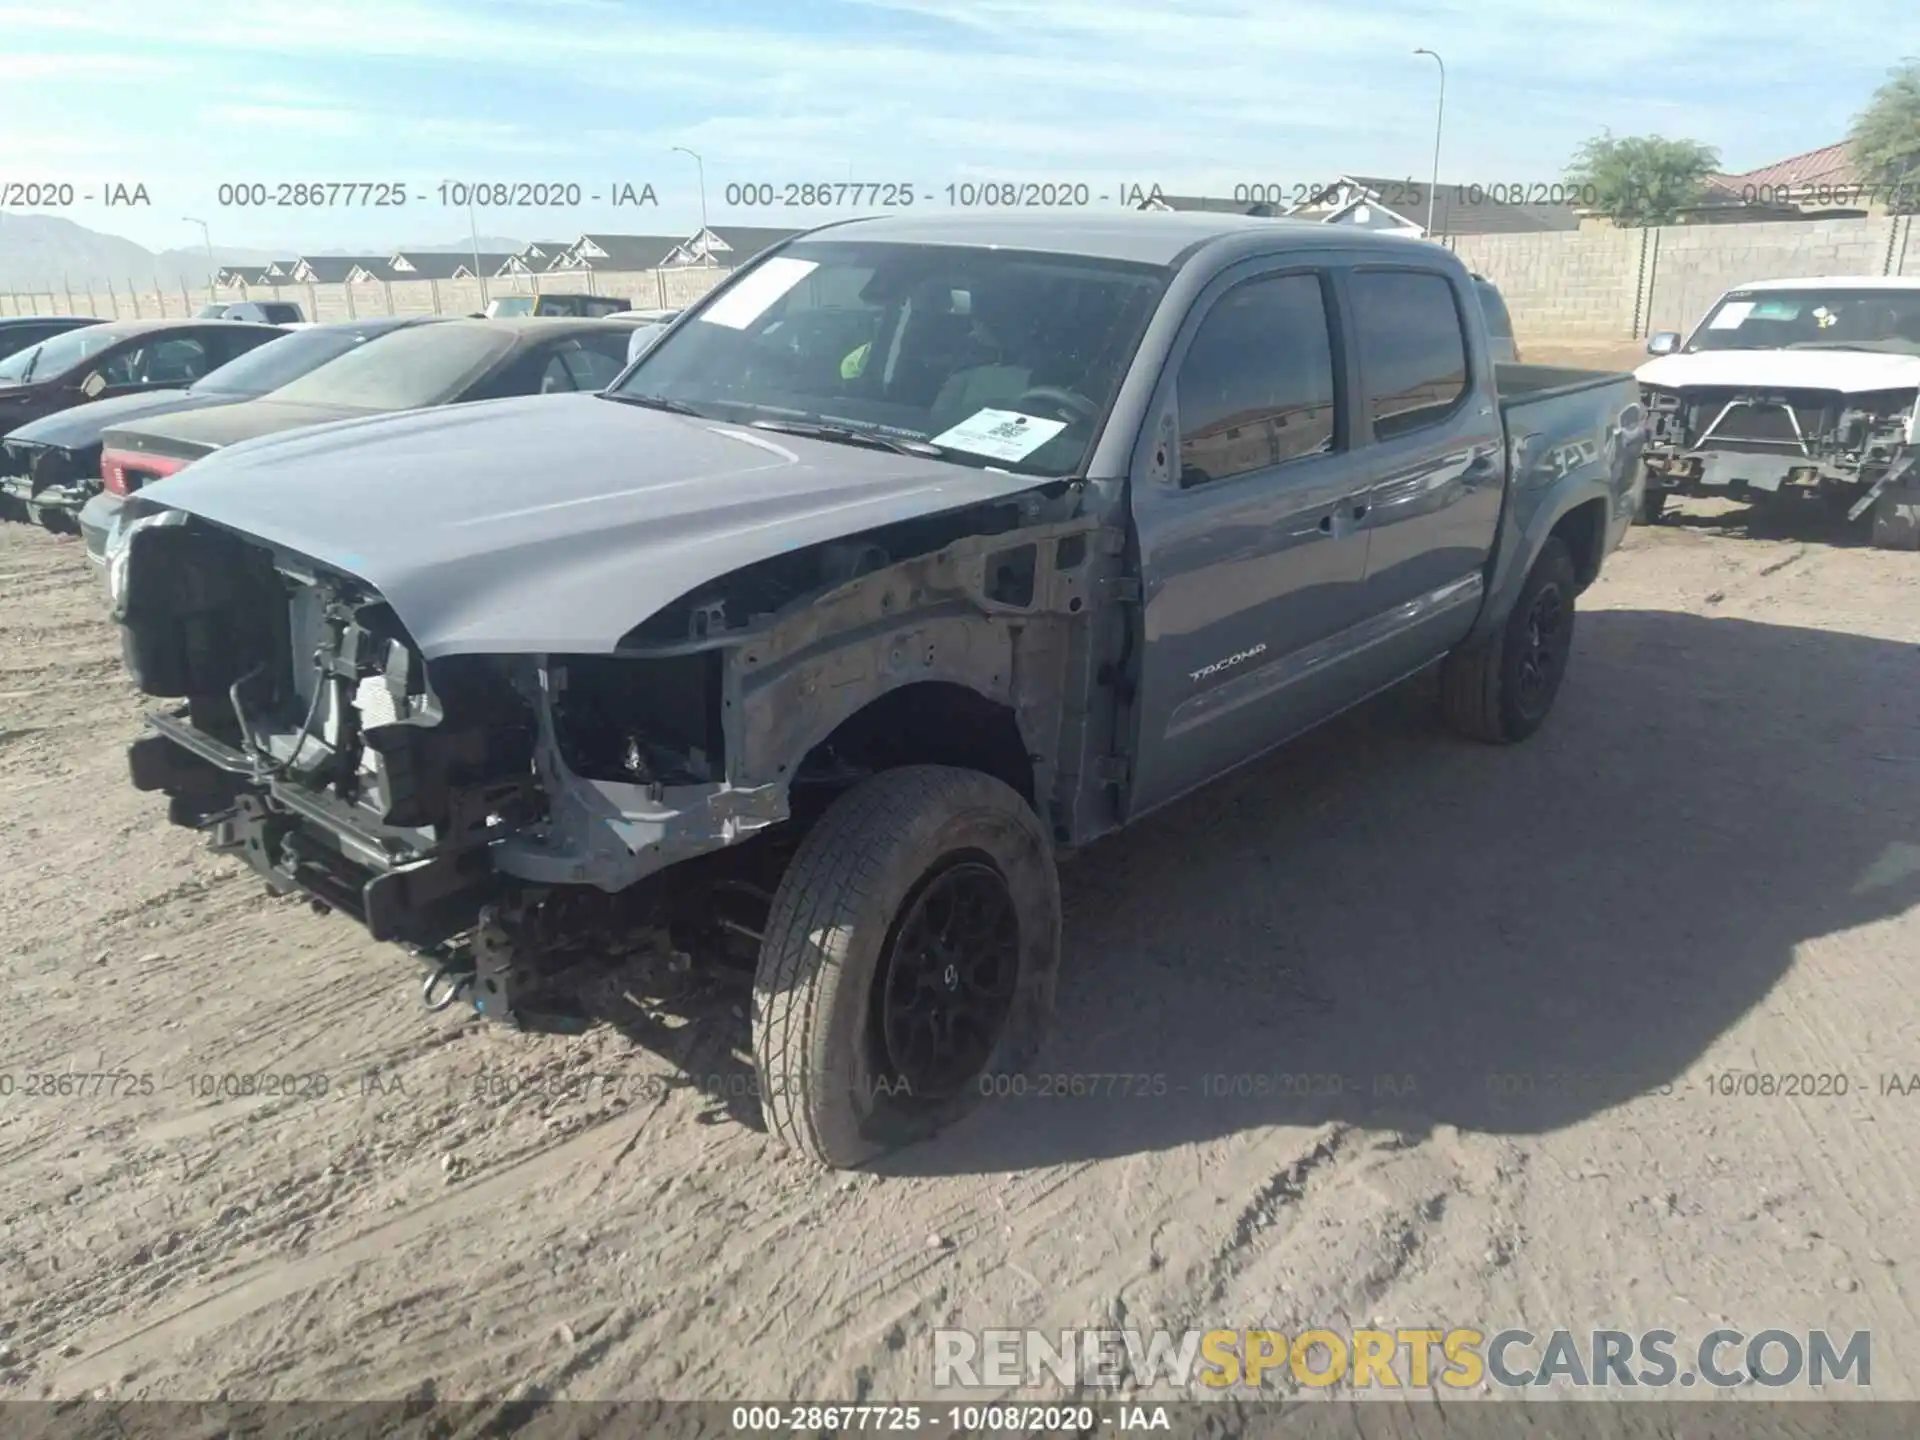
(1148, 237)
(1837, 282)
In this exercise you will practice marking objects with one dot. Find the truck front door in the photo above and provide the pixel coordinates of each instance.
(1253, 551)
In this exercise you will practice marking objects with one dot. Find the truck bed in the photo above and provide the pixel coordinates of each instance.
(1534, 382)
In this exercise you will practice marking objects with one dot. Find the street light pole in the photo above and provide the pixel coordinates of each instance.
(206, 237)
(1439, 115)
(701, 168)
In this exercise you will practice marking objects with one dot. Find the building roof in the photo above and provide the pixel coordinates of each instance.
(445, 265)
(1829, 165)
(737, 243)
(243, 275)
(334, 269)
(1203, 204)
(620, 252)
(1792, 185)
(1457, 210)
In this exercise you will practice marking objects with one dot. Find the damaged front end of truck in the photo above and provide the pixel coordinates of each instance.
(1860, 451)
(513, 816)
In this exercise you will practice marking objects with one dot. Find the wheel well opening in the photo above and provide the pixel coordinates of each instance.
(933, 722)
(1583, 531)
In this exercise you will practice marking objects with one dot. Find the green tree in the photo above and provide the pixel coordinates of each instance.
(1641, 179)
(1885, 139)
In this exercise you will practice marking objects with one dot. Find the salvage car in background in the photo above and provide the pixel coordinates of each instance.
(267, 312)
(124, 357)
(1794, 387)
(578, 307)
(649, 326)
(446, 362)
(17, 332)
(770, 657)
(51, 467)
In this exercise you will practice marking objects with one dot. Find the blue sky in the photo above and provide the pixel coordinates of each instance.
(182, 95)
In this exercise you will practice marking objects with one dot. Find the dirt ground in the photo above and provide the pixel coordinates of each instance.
(1708, 862)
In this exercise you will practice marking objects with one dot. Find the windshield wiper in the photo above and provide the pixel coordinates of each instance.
(657, 402)
(847, 435)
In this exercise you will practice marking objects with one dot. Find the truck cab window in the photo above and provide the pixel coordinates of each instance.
(1256, 386)
(1412, 348)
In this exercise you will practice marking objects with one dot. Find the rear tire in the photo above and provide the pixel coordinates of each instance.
(1652, 504)
(1500, 689)
(910, 955)
(1896, 518)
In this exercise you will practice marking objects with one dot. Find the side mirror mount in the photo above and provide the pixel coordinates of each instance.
(1664, 342)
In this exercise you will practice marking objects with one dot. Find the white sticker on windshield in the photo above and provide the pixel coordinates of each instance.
(1731, 314)
(1003, 434)
(747, 301)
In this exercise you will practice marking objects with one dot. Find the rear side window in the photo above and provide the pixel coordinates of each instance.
(168, 360)
(1256, 386)
(281, 314)
(1413, 352)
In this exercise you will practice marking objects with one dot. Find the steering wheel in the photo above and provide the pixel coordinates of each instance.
(1068, 404)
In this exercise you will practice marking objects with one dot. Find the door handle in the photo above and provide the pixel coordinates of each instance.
(1342, 520)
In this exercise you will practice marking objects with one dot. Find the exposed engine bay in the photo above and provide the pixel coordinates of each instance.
(467, 805)
(1731, 439)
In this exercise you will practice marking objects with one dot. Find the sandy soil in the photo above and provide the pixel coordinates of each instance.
(1709, 861)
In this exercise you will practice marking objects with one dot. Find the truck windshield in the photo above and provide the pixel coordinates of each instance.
(1001, 358)
(1887, 320)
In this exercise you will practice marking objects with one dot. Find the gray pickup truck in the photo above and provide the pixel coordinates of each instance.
(920, 552)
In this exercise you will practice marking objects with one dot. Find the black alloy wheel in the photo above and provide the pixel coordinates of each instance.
(949, 979)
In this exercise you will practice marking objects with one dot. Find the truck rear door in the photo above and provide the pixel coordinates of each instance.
(1252, 555)
(1430, 428)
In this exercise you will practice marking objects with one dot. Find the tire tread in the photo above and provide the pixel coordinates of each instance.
(836, 872)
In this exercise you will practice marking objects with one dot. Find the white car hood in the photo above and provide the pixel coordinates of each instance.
(1851, 372)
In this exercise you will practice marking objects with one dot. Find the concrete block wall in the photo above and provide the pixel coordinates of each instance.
(1599, 284)
(1694, 265)
(646, 289)
(1571, 285)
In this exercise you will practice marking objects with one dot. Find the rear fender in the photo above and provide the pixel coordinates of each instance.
(1553, 470)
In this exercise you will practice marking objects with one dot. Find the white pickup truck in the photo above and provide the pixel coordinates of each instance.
(1791, 386)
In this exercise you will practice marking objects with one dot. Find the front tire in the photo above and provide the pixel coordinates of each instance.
(911, 954)
(1501, 689)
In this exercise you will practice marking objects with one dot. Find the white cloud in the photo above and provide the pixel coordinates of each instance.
(1191, 95)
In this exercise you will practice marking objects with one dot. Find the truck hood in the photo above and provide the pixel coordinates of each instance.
(1851, 372)
(81, 426)
(554, 523)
